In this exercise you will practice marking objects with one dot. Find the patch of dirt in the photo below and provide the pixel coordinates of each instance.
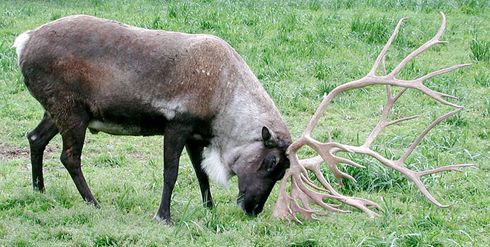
(9, 152)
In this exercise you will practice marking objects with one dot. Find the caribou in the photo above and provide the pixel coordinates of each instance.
(195, 90)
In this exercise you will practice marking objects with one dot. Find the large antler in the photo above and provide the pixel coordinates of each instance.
(304, 192)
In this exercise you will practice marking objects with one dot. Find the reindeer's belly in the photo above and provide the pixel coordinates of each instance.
(148, 125)
(96, 126)
(126, 121)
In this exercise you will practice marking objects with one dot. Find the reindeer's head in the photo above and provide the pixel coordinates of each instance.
(258, 169)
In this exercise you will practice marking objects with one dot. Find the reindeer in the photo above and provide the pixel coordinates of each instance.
(195, 90)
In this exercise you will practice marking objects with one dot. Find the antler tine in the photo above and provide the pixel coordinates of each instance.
(306, 191)
(281, 209)
(311, 184)
(434, 94)
(415, 178)
(401, 120)
(349, 162)
(442, 28)
(358, 203)
(387, 46)
(383, 121)
(445, 168)
(323, 181)
(305, 200)
(317, 197)
(424, 132)
(434, 41)
(399, 94)
(437, 95)
(442, 71)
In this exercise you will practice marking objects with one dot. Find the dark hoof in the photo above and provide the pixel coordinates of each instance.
(38, 189)
(164, 221)
(94, 203)
(209, 205)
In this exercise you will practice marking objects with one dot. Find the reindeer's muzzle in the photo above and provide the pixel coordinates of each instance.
(250, 206)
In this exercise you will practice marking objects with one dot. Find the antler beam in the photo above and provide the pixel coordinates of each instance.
(304, 192)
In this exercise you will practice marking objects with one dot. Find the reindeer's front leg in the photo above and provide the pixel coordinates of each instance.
(175, 136)
(194, 149)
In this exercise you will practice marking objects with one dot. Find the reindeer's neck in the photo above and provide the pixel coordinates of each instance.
(238, 125)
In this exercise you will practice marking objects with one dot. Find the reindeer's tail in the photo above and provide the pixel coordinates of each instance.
(20, 42)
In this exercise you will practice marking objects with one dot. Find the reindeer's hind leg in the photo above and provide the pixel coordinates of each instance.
(73, 129)
(38, 139)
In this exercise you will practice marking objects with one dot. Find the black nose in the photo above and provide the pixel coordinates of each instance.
(255, 211)
(250, 209)
(251, 214)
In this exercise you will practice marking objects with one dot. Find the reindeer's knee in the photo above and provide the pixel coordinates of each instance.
(32, 137)
(69, 160)
(37, 146)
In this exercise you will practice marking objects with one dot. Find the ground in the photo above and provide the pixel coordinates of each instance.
(299, 51)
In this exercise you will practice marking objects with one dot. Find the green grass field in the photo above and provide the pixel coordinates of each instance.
(299, 51)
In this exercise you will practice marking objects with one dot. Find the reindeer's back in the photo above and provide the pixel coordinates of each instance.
(105, 64)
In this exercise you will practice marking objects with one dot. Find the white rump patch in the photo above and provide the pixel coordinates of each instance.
(215, 168)
(20, 43)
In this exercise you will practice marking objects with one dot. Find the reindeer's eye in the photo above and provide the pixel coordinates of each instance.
(270, 162)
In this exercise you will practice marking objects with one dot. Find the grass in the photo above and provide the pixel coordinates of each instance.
(480, 50)
(299, 51)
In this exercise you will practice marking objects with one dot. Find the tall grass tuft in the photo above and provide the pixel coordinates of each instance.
(371, 30)
(374, 177)
(480, 50)
(314, 5)
(482, 78)
(110, 160)
(105, 240)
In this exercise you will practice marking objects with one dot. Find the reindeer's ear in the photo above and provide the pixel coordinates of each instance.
(266, 134)
(267, 138)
